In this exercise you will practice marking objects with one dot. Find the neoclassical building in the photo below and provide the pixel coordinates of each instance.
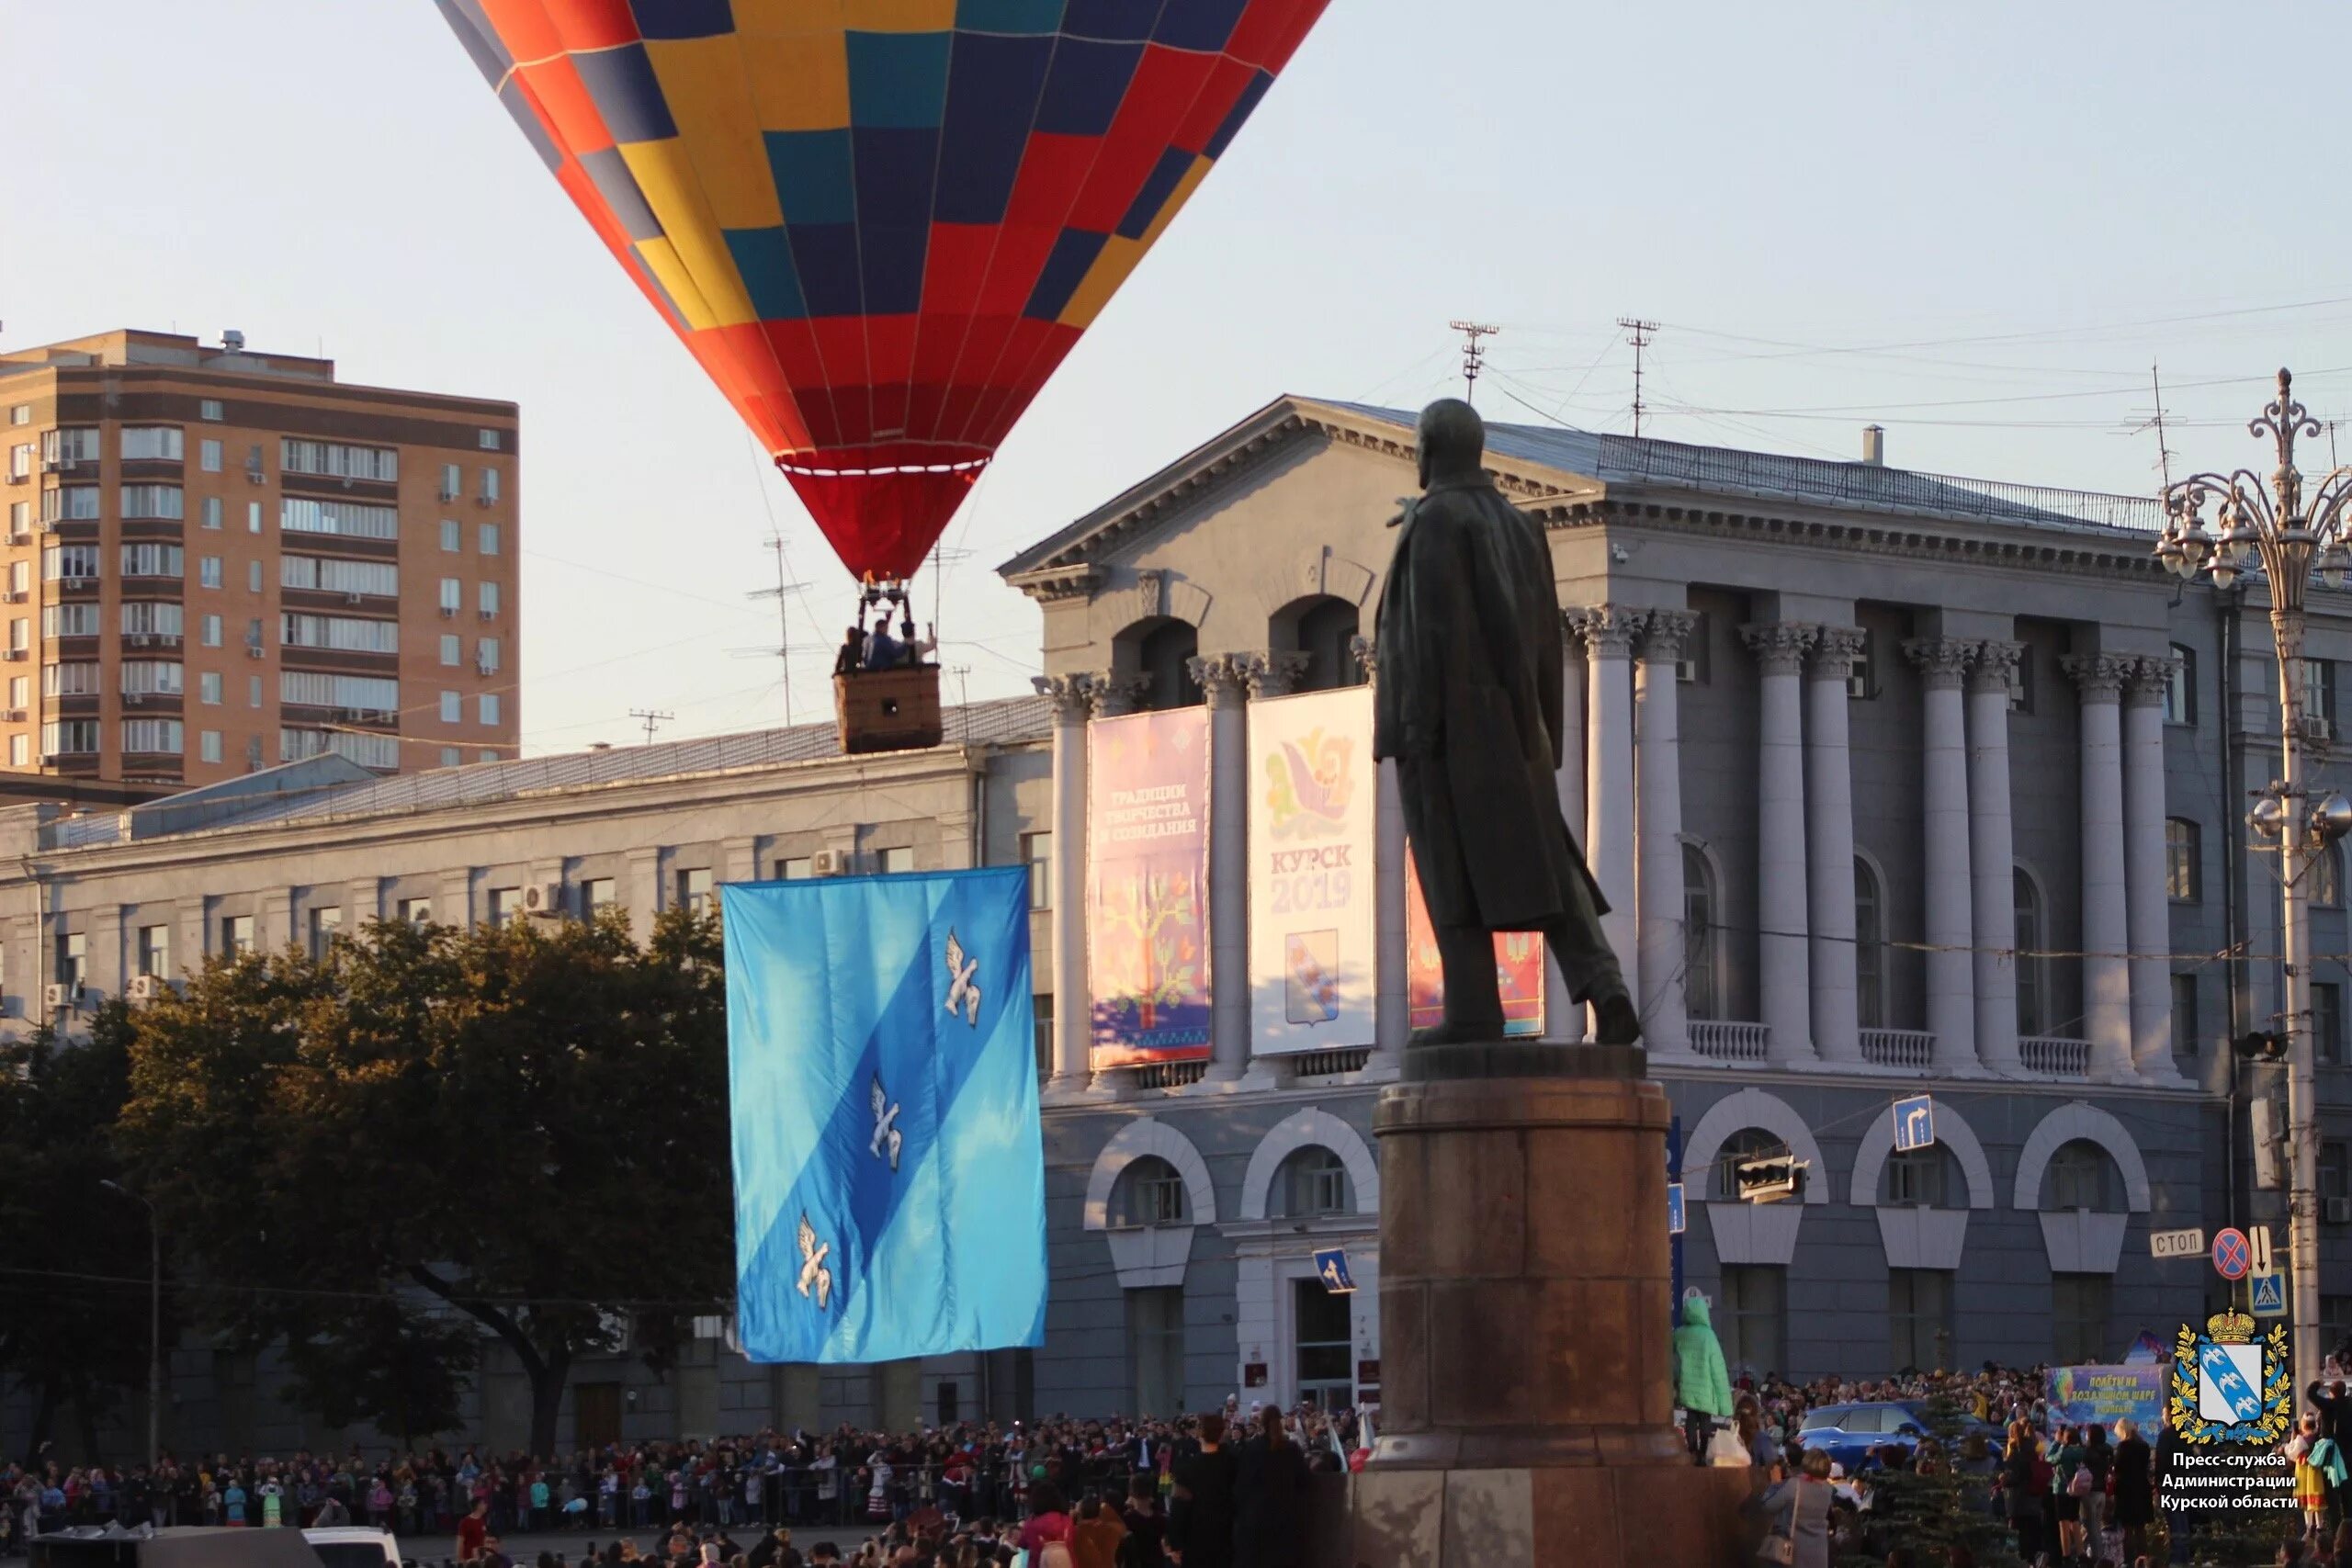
(1897, 783)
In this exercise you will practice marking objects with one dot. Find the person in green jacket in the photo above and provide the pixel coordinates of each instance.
(1701, 1386)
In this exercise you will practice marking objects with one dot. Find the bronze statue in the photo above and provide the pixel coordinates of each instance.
(1468, 701)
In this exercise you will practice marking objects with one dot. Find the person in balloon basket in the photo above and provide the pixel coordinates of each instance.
(883, 651)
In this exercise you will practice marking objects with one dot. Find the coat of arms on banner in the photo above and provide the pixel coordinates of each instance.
(2229, 1385)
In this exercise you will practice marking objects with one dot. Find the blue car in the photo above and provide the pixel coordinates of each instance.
(1848, 1433)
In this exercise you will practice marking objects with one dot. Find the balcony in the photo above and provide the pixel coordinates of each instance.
(1720, 1040)
(1911, 1048)
(2055, 1057)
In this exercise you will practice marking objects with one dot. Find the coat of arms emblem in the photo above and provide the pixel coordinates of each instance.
(2230, 1384)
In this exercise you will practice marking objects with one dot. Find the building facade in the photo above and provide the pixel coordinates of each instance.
(219, 559)
(1897, 783)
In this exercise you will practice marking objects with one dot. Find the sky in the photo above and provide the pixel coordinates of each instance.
(1979, 226)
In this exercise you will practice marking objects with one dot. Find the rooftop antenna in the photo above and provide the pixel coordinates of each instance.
(1637, 333)
(963, 674)
(1474, 356)
(2155, 421)
(651, 717)
(783, 617)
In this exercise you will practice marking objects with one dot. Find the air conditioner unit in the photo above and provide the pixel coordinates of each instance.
(18, 655)
(485, 501)
(448, 495)
(448, 612)
(254, 653)
(2318, 728)
(137, 640)
(543, 899)
(353, 598)
(144, 988)
(829, 862)
(256, 476)
(58, 997)
(485, 667)
(490, 614)
(15, 478)
(18, 595)
(2337, 1211)
(12, 716)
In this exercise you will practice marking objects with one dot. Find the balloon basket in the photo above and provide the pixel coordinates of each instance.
(887, 710)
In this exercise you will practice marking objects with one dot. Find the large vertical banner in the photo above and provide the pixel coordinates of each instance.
(1519, 968)
(889, 1170)
(1148, 856)
(1312, 892)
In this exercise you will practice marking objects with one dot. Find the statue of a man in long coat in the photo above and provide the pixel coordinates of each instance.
(1468, 701)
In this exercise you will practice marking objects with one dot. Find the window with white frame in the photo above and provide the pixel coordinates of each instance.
(1700, 938)
(70, 444)
(344, 519)
(486, 538)
(2182, 883)
(486, 655)
(152, 441)
(165, 502)
(453, 707)
(155, 950)
(208, 745)
(209, 630)
(1150, 1192)
(79, 679)
(208, 409)
(21, 638)
(491, 440)
(153, 736)
(334, 460)
(208, 571)
(151, 559)
(152, 678)
(452, 649)
(210, 512)
(69, 620)
(2081, 1175)
(490, 485)
(453, 595)
(1037, 853)
(343, 633)
(332, 574)
(70, 504)
(453, 482)
(208, 688)
(68, 563)
(487, 707)
(452, 756)
(2180, 686)
(359, 694)
(208, 455)
(452, 537)
(1312, 1184)
(20, 517)
(486, 596)
(381, 751)
(695, 889)
(151, 617)
(69, 736)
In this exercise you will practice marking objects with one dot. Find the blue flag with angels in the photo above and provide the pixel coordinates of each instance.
(890, 1172)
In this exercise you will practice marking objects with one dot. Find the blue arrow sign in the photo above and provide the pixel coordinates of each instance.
(2269, 1295)
(1331, 1267)
(1674, 1208)
(1914, 1123)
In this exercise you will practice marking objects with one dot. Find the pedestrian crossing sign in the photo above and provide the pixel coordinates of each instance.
(2269, 1293)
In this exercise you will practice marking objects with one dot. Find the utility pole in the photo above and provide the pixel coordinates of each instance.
(1637, 333)
(651, 717)
(783, 618)
(2155, 421)
(1474, 357)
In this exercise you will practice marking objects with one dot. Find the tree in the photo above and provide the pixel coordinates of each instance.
(524, 1131)
(74, 1296)
(1934, 1508)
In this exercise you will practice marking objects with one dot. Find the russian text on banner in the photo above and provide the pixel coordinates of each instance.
(1147, 918)
(1312, 892)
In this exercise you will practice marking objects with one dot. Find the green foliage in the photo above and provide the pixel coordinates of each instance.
(72, 1331)
(427, 1135)
(1933, 1512)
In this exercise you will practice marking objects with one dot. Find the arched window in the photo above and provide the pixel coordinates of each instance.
(2180, 687)
(2081, 1175)
(1166, 654)
(2182, 883)
(1699, 935)
(1870, 948)
(1311, 1184)
(1745, 1144)
(1924, 1176)
(1326, 633)
(2327, 877)
(1150, 1192)
(2032, 991)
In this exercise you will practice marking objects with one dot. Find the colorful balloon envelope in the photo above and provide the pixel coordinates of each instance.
(880, 224)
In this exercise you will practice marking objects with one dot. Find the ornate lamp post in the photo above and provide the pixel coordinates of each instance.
(2286, 535)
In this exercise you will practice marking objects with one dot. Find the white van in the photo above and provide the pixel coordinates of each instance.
(355, 1546)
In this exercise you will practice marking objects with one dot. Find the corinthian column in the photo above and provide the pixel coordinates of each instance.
(1782, 948)
(1829, 838)
(2106, 977)
(1950, 925)
(1225, 679)
(1608, 631)
(1992, 854)
(2147, 900)
(1072, 699)
(1665, 1017)
(1564, 1019)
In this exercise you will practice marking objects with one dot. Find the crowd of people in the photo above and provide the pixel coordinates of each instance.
(1115, 1493)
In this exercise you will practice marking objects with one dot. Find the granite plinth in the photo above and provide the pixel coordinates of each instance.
(1526, 1323)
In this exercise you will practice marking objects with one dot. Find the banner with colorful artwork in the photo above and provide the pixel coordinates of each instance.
(2100, 1397)
(1147, 918)
(1519, 968)
(1312, 892)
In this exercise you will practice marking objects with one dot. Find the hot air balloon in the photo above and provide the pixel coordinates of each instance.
(880, 224)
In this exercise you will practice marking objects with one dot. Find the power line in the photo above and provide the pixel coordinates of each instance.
(1637, 333)
(652, 718)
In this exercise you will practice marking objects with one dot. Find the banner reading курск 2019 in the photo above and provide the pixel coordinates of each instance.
(889, 1171)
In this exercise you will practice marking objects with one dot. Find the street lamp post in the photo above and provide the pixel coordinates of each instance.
(2290, 535)
(154, 1321)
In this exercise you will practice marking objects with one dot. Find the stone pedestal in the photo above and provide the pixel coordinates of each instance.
(1526, 1328)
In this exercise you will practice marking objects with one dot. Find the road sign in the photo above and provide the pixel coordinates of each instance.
(2176, 1243)
(1674, 1208)
(2231, 1259)
(1332, 1267)
(1915, 1123)
(2258, 1249)
(2269, 1295)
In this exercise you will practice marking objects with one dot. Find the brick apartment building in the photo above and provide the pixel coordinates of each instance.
(219, 559)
